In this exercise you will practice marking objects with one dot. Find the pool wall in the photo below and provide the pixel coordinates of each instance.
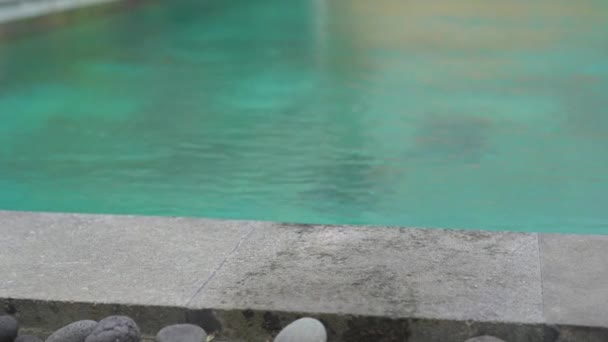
(250, 278)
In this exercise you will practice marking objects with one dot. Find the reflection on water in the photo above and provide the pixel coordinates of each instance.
(480, 114)
(462, 138)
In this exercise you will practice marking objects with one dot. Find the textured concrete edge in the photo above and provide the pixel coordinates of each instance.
(43, 317)
(236, 321)
(17, 25)
(574, 277)
(31, 9)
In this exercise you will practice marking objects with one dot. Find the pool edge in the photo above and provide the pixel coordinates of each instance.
(49, 17)
(253, 277)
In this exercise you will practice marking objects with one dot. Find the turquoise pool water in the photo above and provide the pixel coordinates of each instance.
(467, 114)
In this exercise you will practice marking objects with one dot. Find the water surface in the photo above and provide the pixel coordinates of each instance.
(464, 114)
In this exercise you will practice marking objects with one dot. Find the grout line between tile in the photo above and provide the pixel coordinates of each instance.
(220, 266)
(542, 282)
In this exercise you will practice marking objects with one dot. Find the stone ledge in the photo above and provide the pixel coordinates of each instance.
(250, 278)
(30, 17)
(23, 9)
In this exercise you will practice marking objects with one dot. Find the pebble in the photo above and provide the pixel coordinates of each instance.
(484, 339)
(303, 330)
(73, 332)
(28, 338)
(181, 333)
(115, 329)
(9, 327)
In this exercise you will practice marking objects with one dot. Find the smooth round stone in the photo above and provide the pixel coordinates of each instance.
(73, 332)
(115, 329)
(303, 330)
(181, 333)
(484, 339)
(9, 327)
(28, 338)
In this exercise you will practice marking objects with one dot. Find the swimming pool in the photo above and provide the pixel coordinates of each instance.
(469, 114)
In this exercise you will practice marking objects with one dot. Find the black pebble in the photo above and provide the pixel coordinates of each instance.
(73, 332)
(115, 329)
(9, 328)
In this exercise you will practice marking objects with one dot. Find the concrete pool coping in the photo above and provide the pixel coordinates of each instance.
(250, 278)
(15, 14)
(24, 9)
(24, 17)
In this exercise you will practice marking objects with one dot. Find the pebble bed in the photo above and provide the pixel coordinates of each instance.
(125, 329)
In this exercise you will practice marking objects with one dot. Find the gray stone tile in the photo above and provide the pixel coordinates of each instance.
(575, 279)
(111, 259)
(430, 273)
